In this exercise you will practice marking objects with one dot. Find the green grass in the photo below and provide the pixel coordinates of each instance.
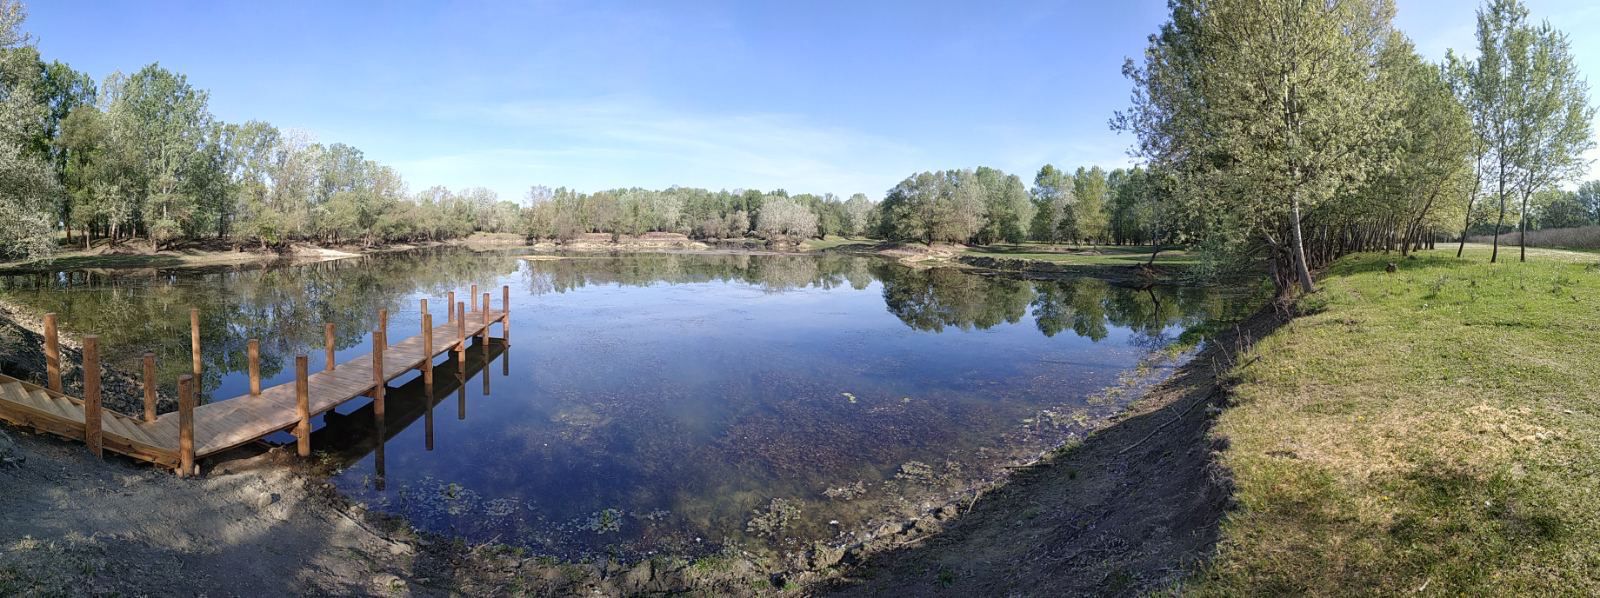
(1108, 255)
(1435, 430)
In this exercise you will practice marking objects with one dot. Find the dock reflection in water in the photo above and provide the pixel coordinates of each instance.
(348, 438)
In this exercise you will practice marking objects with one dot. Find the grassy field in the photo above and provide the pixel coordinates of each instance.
(1434, 431)
(1106, 255)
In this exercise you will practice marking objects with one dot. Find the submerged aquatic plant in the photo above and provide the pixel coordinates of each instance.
(605, 522)
(915, 471)
(772, 520)
(846, 492)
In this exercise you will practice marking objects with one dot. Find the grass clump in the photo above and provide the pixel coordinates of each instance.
(1432, 430)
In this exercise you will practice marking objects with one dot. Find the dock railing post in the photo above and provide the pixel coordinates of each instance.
(52, 352)
(302, 395)
(185, 425)
(253, 352)
(427, 352)
(473, 296)
(383, 323)
(327, 340)
(91, 393)
(450, 308)
(485, 323)
(505, 314)
(378, 381)
(194, 338)
(461, 327)
(149, 386)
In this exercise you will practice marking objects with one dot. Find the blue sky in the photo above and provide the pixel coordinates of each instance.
(838, 97)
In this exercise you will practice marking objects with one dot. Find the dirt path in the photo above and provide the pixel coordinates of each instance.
(1130, 511)
(75, 525)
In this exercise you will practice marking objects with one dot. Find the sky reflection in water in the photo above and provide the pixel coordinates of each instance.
(660, 402)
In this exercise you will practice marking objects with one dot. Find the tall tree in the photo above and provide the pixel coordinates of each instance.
(1262, 106)
(1528, 92)
(1090, 191)
(27, 183)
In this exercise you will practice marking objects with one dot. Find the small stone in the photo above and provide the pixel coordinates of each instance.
(399, 549)
(265, 499)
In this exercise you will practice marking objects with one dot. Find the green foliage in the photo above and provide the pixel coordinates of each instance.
(957, 206)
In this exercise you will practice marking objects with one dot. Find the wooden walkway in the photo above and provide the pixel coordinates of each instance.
(221, 425)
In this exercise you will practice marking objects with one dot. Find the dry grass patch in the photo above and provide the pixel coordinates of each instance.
(1435, 430)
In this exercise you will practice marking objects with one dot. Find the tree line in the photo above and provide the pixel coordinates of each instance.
(141, 156)
(1299, 131)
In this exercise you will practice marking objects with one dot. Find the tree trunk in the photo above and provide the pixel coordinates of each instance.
(1522, 237)
(1301, 270)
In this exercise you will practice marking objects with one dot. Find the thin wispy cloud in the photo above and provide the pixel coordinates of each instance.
(609, 142)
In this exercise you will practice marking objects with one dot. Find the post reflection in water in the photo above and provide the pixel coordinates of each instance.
(351, 437)
(427, 430)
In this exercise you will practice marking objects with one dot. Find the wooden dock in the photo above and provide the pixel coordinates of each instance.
(178, 438)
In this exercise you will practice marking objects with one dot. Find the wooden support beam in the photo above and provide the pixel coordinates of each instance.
(427, 352)
(52, 352)
(253, 351)
(302, 395)
(450, 308)
(378, 381)
(91, 393)
(185, 425)
(505, 316)
(327, 341)
(194, 338)
(485, 323)
(461, 327)
(474, 297)
(149, 386)
(383, 322)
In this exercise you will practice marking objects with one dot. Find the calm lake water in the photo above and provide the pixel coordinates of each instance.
(666, 403)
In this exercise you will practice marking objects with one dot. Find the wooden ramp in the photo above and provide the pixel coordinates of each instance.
(222, 425)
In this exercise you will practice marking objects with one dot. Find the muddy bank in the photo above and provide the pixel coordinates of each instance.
(1132, 510)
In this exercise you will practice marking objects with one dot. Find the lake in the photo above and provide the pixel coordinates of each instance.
(667, 403)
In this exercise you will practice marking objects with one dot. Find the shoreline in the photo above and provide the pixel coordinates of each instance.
(913, 256)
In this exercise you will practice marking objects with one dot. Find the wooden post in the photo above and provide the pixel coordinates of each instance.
(254, 353)
(461, 327)
(424, 305)
(91, 392)
(327, 339)
(474, 298)
(505, 314)
(149, 386)
(52, 352)
(378, 381)
(185, 425)
(461, 400)
(450, 308)
(302, 396)
(383, 323)
(486, 324)
(427, 351)
(194, 338)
